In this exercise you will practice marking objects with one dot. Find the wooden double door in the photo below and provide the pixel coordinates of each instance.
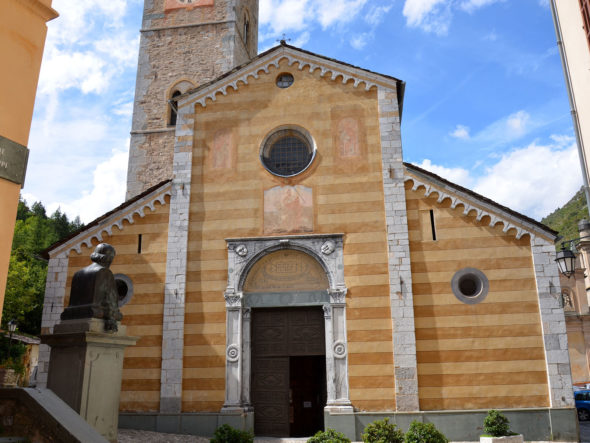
(288, 371)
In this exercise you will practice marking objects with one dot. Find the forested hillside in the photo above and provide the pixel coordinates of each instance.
(565, 219)
(34, 231)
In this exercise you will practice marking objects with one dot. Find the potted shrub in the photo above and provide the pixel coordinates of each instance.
(227, 434)
(496, 428)
(424, 433)
(328, 436)
(381, 431)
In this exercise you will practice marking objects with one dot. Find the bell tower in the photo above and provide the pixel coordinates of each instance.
(184, 44)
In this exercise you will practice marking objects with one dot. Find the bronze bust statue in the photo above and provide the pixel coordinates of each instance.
(94, 291)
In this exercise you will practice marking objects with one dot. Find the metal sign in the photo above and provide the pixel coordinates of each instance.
(13, 161)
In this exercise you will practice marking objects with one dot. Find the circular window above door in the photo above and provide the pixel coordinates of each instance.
(287, 151)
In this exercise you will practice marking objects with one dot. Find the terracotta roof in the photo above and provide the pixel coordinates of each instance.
(401, 85)
(481, 198)
(45, 253)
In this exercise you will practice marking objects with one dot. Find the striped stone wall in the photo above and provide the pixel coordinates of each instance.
(143, 315)
(227, 202)
(472, 356)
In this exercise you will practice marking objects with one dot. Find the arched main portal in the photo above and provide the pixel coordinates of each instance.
(285, 281)
(286, 290)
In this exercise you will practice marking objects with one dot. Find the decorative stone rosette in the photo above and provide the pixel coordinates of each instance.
(233, 353)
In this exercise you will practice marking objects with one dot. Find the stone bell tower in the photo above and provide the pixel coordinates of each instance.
(184, 44)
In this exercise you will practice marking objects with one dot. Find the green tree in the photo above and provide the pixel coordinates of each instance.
(25, 286)
(565, 219)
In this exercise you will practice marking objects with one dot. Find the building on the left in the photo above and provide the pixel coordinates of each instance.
(22, 37)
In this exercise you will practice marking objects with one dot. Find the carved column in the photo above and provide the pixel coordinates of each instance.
(246, 358)
(233, 352)
(337, 352)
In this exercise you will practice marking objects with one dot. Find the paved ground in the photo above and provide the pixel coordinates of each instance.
(130, 436)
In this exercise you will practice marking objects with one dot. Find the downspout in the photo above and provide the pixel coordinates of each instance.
(573, 109)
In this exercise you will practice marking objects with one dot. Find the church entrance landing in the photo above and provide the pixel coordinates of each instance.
(288, 371)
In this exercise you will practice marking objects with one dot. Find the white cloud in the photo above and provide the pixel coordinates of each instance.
(359, 41)
(283, 16)
(562, 139)
(517, 123)
(429, 15)
(330, 12)
(457, 175)
(461, 132)
(507, 129)
(525, 179)
(302, 39)
(124, 109)
(376, 14)
(436, 15)
(63, 70)
(87, 46)
(108, 191)
(472, 5)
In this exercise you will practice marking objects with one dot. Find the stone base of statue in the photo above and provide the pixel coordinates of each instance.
(85, 370)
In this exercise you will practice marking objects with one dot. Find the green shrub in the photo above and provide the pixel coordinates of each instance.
(424, 433)
(381, 431)
(227, 434)
(17, 350)
(328, 436)
(496, 424)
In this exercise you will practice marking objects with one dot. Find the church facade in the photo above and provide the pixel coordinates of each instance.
(285, 271)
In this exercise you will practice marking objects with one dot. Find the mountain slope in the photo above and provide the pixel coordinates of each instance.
(565, 220)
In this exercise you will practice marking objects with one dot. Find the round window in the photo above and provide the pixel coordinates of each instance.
(124, 288)
(470, 285)
(287, 151)
(285, 80)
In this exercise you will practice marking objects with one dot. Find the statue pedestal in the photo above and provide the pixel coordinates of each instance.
(85, 370)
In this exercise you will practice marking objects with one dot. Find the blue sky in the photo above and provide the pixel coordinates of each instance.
(485, 103)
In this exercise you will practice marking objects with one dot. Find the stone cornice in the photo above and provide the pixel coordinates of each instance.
(332, 69)
(116, 219)
(47, 13)
(470, 204)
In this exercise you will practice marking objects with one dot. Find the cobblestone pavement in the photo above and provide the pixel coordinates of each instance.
(131, 436)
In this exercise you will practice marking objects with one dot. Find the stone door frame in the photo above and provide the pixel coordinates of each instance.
(243, 253)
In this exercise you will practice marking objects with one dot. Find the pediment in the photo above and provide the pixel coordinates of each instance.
(328, 68)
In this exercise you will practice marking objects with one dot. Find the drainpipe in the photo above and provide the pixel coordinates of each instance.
(573, 109)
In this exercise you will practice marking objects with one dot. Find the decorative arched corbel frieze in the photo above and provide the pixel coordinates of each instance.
(117, 219)
(481, 209)
(240, 78)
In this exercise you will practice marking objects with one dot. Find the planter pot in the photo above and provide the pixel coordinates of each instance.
(8, 378)
(507, 439)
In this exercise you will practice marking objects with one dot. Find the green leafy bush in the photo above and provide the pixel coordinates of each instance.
(424, 433)
(328, 436)
(381, 431)
(11, 351)
(496, 424)
(227, 434)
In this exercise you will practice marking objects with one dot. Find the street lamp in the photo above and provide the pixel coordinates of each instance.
(11, 329)
(566, 257)
(566, 261)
